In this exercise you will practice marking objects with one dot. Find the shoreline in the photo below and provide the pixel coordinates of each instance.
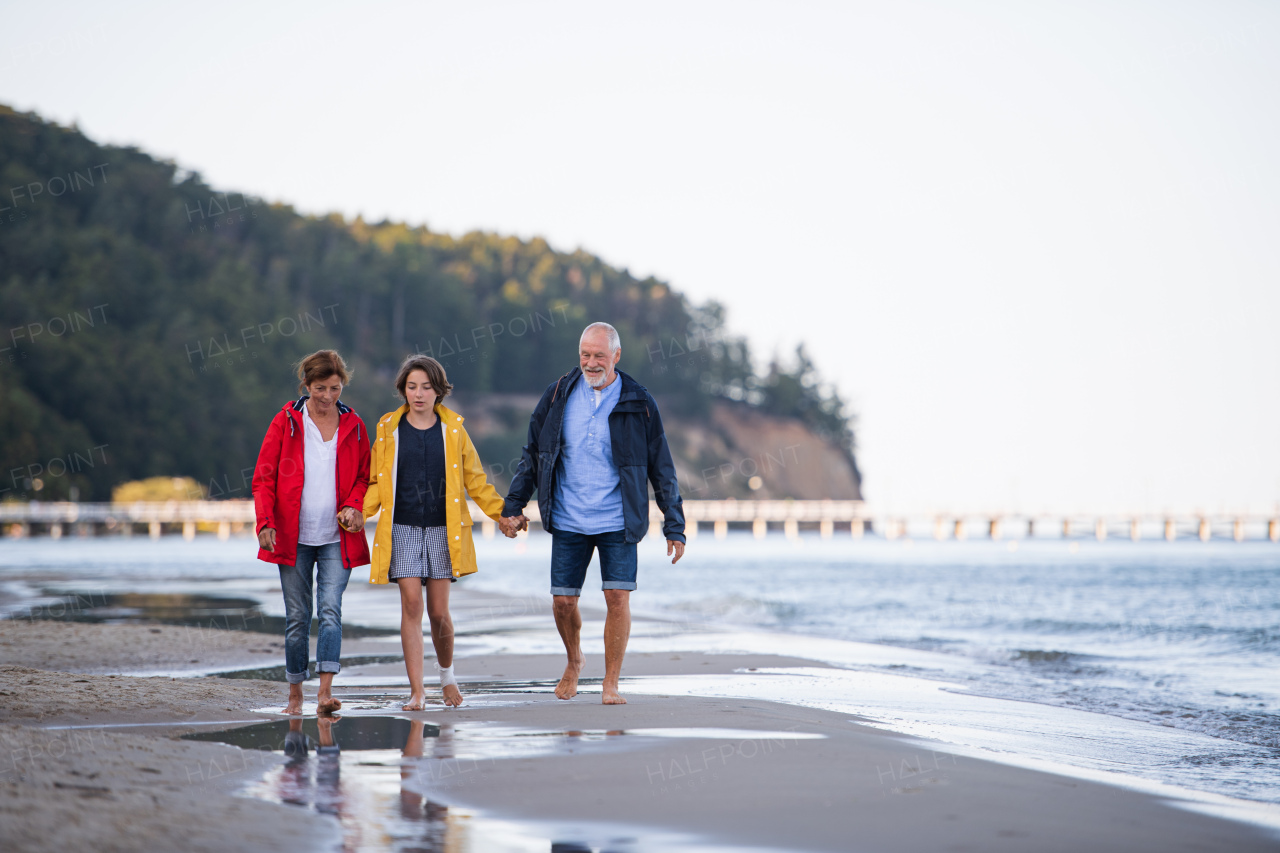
(796, 774)
(492, 622)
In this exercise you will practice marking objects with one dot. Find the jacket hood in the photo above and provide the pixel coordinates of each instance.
(296, 405)
(443, 412)
(347, 417)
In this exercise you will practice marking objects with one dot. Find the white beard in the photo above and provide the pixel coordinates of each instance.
(598, 380)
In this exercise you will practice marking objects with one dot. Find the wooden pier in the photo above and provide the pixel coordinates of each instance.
(854, 519)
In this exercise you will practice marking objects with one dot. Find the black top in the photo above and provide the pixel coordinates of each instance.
(420, 476)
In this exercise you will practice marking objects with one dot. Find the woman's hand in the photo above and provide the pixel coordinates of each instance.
(351, 519)
(512, 525)
(267, 538)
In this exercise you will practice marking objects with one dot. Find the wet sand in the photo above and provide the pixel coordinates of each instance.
(36, 696)
(67, 783)
(93, 789)
(853, 788)
(776, 775)
(96, 648)
(88, 647)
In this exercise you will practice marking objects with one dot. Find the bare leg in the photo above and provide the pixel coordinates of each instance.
(325, 727)
(442, 632)
(617, 630)
(411, 639)
(325, 703)
(413, 746)
(295, 700)
(569, 624)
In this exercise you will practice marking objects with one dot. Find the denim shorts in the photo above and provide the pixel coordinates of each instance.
(571, 554)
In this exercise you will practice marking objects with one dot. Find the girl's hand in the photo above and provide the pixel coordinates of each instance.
(267, 538)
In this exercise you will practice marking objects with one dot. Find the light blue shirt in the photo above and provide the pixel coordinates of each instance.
(588, 490)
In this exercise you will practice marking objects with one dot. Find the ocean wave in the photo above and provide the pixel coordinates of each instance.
(1046, 656)
(1258, 728)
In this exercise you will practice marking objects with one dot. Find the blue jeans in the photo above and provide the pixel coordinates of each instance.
(571, 554)
(296, 581)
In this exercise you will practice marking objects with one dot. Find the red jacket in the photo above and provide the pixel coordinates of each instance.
(279, 474)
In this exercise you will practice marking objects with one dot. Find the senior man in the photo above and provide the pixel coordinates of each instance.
(595, 440)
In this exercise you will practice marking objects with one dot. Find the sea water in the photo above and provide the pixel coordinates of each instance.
(1180, 636)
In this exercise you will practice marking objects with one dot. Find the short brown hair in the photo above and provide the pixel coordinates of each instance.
(428, 365)
(321, 365)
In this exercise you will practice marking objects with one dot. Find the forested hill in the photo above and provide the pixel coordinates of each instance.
(150, 323)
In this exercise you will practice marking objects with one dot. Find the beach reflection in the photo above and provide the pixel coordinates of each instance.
(312, 777)
(427, 759)
(312, 783)
(414, 807)
(380, 778)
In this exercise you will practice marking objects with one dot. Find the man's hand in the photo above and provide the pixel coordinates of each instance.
(678, 547)
(351, 519)
(512, 525)
(267, 538)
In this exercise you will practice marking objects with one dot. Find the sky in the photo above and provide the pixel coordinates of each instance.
(1034, 245)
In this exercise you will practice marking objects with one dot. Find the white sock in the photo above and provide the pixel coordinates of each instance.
(446, 675)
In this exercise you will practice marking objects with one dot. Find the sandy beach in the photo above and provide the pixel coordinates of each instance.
(95, 760)
(95, 648)
(78, 773)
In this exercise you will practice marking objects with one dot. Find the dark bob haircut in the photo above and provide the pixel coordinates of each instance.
(428, 365)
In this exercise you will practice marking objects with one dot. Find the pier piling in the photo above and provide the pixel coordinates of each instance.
(233, 518)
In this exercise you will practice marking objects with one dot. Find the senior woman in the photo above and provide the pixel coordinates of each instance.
(308, 491)
(424, 466)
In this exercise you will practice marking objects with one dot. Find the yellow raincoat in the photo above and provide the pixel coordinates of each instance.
(462, 470)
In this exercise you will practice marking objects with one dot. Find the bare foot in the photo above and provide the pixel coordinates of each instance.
(568, 686)
(417, 702)
(327, 705)
(610, 696)
(452, 696)
(294, 708)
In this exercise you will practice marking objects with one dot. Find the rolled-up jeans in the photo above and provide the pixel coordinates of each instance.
(330, 582)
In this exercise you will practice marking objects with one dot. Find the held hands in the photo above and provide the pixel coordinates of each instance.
(678, 547)
(513, 525)
(351, 519)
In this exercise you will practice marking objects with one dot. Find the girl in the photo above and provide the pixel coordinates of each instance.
(422, 463)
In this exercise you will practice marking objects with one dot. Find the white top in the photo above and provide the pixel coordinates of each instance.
(318, 517)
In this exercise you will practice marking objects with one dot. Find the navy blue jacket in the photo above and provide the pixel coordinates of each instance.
(639, 451)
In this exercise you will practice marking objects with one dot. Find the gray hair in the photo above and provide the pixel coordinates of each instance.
(615, 343)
